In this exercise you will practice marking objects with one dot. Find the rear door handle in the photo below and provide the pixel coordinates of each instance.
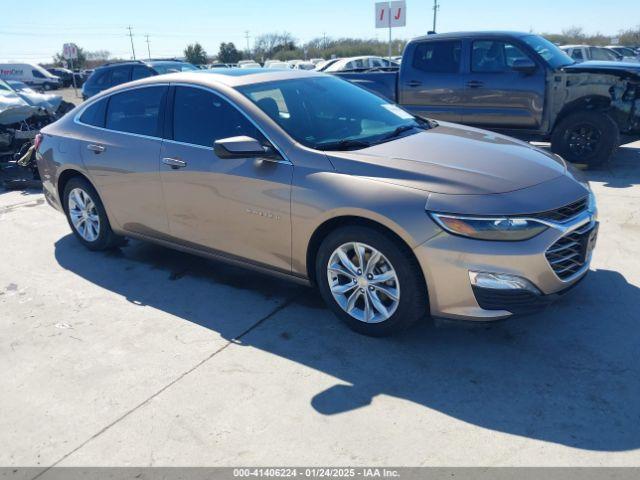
(414, 83)
(174, 162)
(96, 148)
(475, 84)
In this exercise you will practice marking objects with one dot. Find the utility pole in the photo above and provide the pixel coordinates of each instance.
(148, 47)
(246, 36)
(133, 50)
(324, 40)
(436, 7)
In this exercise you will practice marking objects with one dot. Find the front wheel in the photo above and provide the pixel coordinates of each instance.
(87, 217)
(587, 137)
(370, 280)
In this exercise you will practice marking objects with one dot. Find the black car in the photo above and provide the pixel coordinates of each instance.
(112, 74)
(65, 76)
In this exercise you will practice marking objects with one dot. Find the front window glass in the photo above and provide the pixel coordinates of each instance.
(555, 57)
(37, 74)
(201, 117)
(576, 54)
(494, 56)
(136, 111)
(328, 113)
(602, 54)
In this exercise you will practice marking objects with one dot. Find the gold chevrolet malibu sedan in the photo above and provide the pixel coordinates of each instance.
(304, 175)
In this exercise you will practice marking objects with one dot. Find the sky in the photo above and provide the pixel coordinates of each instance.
(36, 32)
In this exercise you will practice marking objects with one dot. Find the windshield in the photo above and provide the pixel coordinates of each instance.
(555, 57)
(171, 67)
(328, 113)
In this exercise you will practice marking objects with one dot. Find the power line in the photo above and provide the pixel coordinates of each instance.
(133, 50)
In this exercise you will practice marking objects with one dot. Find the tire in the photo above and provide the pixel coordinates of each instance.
(101, 238)
(588, 137)
(408, 284)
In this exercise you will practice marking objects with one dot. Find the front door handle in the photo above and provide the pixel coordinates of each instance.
(414, 83)
(174, 163)
(475, 84)
(96, 148)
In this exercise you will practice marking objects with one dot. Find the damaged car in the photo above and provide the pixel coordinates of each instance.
(23, 112)
(519, 84)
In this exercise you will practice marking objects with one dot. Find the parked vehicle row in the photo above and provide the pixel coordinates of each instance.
(582, 53)
(31, 74)
(306, 176)
(516, 83)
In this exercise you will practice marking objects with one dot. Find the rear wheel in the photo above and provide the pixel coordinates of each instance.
(587, 137)
(370, 280)
(87, 216)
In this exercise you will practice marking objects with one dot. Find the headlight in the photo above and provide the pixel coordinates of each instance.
(495, 228)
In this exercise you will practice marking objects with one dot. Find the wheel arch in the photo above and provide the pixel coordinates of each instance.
(63, 179)
(334, 223)
(598, 103)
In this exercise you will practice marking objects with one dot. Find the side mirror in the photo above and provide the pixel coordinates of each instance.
(524, 65)
(242, 147)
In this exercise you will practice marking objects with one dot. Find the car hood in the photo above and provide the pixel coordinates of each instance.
(453, 159)
(623, 69)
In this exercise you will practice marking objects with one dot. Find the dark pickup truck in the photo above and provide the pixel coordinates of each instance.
(519, 84)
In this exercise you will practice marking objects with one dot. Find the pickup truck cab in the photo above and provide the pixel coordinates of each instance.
(519, 84)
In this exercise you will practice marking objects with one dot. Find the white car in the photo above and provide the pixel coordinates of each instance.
(249, 65)
(628, 54)
(276, 64)
(582, 53)
(31, 74)
(360, 63)
(304, 66)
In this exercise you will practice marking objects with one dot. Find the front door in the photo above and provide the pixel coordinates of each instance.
(239, 207)
(497, 95)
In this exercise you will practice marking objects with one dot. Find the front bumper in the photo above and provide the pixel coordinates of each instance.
(446, 261)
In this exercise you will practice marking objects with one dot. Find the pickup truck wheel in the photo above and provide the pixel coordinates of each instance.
(586, 137)
(371, 281)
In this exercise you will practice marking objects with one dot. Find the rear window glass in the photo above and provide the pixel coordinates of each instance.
(94, 114)
(136, 111)
(438, 57)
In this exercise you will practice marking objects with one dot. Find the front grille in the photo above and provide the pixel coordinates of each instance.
(565, 213)
(570, 253)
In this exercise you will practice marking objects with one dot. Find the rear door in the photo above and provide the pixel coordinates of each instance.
(121, 150)
(498, 96)
(430, 83)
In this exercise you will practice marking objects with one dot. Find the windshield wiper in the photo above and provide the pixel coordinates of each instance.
(346, 144)
(400, 130)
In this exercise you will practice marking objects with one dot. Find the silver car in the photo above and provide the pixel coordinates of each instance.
(306, 176)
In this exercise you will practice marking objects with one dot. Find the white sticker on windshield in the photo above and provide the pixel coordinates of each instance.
(397, 111)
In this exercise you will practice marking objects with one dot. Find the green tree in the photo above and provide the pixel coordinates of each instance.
(228, 53)
(195, 54)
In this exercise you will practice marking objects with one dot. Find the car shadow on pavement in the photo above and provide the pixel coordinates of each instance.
(570, 375)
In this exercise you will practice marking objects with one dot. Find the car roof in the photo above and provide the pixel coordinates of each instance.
(455, 35)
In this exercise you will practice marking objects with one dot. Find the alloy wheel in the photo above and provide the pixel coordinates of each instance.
(84, 214)
(583, 139)
(363, 282)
